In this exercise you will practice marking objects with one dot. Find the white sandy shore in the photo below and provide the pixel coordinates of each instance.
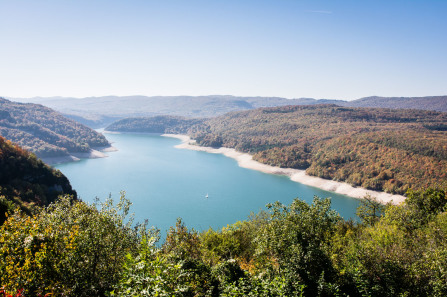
(97, 152)
(246, 161)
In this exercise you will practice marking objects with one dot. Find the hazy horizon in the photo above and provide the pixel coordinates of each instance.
(23, 99)
(343, 50)
(209, 95)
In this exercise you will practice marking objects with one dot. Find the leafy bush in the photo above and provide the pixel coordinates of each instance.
(75, 249)
(70, 248)
(296, 241)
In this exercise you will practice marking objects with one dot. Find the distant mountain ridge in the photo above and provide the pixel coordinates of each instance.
(99, 112)
(436, 103)
(44, 131)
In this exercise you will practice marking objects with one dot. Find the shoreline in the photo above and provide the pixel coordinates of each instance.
(94, 153)
(246, 161)
(134, 133)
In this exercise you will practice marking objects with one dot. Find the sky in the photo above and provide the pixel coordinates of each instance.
(334, 49)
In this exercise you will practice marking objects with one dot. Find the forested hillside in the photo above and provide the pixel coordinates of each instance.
(158, 124)
(26, 181)
(380, 149)
(99, 112)
(45, 132)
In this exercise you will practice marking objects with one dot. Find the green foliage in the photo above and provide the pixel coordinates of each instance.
(183, 247)
(6, 207)
(26, 181)
(232, 242)
(296, 240)
(69, 248)
(150, 274)
(261, 287)
(402, 254)
(427, 202)
(420, 208)
(370, 210)
(75, 249)
(181, 243)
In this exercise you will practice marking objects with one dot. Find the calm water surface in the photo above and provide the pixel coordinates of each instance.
(165, 183)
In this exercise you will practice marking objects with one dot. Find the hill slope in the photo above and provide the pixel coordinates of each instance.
(26, 181)
(98, 112)
(379, 149)
(44, 131)
(157, 124)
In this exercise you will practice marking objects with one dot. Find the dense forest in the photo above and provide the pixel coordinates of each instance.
(76, 249)
(45, 132)
(380, 149)
(158, 124)
(27, 182)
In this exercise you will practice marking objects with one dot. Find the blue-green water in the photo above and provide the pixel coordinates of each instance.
(165, 183)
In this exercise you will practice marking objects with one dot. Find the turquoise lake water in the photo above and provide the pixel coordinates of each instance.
(165, 183)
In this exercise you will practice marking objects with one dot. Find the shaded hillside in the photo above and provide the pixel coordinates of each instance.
(158, 124)
(44, 131)
(379, 149)
(26, 181)
(99, 112)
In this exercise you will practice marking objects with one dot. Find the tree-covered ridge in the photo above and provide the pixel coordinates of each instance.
(26, 181)
(99, 112)
(436, 103)
(44, 131)
(157, 124)
(75, 249)
(381, 149)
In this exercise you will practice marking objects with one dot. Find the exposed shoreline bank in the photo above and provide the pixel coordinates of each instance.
(246, 161)
(94, 153)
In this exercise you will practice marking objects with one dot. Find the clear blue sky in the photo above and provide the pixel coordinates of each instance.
(287, 48)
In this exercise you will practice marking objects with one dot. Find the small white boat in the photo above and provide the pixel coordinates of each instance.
(206, 196)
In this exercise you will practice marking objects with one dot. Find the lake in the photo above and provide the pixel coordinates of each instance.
(165, 183)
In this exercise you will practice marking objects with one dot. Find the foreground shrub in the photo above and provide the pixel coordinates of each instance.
(69, 249)
(296, 242)
(150, 274)
(75, 249)
(403, 254)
